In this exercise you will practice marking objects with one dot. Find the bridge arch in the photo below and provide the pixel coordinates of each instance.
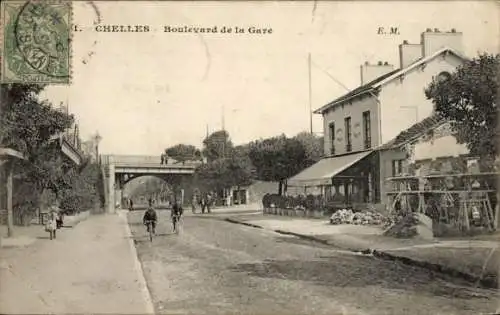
(132, 189)
(120, 169)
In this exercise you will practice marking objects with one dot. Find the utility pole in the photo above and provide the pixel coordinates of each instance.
(310, 94)
(223, 134)
(223, 121)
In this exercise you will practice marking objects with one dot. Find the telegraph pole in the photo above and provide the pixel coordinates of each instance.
(223, 134)
(223, 119)
(310, 95)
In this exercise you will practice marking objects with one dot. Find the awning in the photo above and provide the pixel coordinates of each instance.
(321, 173)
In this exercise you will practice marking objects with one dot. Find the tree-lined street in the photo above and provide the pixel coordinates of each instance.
(217, 267)
(278, 216)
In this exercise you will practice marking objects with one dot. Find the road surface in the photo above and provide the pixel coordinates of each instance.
(216, 267)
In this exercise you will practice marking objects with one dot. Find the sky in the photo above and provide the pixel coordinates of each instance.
(147, 91)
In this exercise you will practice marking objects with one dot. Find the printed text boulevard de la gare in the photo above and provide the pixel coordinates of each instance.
(184, 29)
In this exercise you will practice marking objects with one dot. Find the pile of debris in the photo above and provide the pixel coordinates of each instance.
(347, 216)
(403, 226)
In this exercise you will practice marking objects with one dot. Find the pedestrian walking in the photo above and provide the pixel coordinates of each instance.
(60, 219)
(203, 203)
(193, 204)
(209, 202)
(51, 225)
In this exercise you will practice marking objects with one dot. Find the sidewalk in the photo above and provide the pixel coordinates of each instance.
(468, 259)
(247, 209)
(92, 268)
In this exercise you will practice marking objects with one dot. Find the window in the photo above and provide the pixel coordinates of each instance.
(397, 168)
(348, 134)
(331, 127)
(367, 130)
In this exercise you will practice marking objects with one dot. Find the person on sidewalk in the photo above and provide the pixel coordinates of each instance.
(150, 216)
(60, 219)
(51, 225)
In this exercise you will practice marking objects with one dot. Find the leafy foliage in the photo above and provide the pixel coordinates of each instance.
(83, 190)
(148, 186)
(233, 168)
(29, 126)
(183, 152)
(225, 173)
(313, 146)
(28, 123)
(217, 145)
(277, 158)
(469, 99)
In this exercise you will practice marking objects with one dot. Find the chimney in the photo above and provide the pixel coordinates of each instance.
(370, 72)
(409, 53)
(434, 41)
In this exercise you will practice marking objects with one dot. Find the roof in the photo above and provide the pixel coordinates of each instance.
(321, 172)
(414, 132)
(358, 91)
(380, 81)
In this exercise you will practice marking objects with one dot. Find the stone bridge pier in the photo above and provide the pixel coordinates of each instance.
(118, 170)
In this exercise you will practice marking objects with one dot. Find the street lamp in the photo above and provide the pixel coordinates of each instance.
(97, 139)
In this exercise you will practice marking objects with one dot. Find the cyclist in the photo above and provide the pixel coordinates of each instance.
(150, 216)
(176, 214)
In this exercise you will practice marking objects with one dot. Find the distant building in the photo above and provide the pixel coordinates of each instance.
(253, 193)
(387, 102)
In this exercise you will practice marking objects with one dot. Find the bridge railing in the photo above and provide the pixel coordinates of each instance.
(138, 160)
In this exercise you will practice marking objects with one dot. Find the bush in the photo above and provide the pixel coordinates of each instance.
(309, 202)
(83, 193)
(71, 204)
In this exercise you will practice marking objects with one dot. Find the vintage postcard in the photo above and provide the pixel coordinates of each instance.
(249, 157)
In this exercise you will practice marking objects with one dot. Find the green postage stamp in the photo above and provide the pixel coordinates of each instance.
(36, 44)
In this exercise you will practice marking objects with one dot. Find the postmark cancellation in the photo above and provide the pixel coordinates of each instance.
(36, 46)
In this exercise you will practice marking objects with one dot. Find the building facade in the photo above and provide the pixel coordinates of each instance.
(387, 102)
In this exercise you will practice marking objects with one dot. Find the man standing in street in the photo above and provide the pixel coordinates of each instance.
(176, 215)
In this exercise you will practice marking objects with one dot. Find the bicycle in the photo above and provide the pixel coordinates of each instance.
(149, 225)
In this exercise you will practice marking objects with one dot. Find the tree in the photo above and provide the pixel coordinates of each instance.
(468, 98)
(212, 175)
(223, 173)
(217, 145)
(183, 153)
(29, 125)
(83, 189)
(148, 187)
(277, 158)
(313, 145)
